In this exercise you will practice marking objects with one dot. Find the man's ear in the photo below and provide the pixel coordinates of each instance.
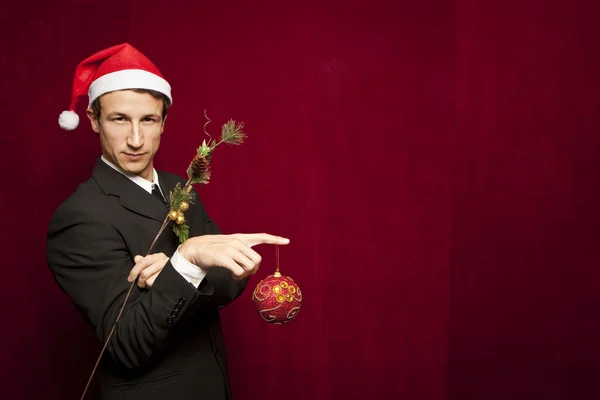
(93, 120)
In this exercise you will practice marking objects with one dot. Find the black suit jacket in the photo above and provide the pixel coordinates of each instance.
(168, 342)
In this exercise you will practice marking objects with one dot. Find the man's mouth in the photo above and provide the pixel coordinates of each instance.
(134, 156)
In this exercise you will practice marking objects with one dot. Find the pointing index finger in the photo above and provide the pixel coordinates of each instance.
(265, 238)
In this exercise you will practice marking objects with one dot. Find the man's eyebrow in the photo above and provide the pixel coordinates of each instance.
(117, 114)
(123, 115)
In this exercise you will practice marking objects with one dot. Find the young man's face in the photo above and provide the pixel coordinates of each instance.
(129, 127)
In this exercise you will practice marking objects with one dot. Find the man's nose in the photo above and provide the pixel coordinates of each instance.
(135, 138)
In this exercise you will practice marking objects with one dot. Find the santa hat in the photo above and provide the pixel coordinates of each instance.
(116, 68)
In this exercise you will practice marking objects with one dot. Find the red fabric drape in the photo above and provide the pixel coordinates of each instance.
(434, 163)
(525, 283)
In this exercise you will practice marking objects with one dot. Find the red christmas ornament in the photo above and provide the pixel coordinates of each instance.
(277, 298)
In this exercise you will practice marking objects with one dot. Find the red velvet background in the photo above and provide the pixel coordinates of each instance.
(435, 164)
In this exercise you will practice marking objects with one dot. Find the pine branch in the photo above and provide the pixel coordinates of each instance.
(179, 195)
(198, 171)
(233, 133)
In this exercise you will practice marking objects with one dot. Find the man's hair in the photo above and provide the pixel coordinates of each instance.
(95, 106)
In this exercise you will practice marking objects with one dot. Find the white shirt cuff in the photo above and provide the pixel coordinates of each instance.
(190, 272)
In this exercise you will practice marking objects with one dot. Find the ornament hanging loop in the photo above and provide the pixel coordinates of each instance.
(277, 273)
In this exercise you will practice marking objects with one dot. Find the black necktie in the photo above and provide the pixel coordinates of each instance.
(156, 193)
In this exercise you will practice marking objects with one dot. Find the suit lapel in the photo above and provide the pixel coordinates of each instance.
(131, 196)
(165, 186)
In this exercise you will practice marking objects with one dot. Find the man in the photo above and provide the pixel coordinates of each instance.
(168, 342)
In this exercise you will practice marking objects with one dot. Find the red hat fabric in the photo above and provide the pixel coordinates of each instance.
(116, 68)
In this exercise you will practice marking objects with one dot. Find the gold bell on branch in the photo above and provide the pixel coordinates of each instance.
(184, 206)
(173, 215)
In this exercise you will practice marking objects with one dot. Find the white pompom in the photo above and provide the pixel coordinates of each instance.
(68, 120)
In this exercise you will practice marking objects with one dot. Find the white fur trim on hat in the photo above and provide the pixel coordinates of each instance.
(128, 79)
(68, 120)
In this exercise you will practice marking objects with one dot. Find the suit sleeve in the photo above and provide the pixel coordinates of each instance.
(90, 263)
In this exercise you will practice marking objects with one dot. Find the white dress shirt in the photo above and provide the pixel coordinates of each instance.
(189, 271)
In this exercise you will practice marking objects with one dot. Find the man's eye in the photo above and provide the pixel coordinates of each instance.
(149, 119)
(119, 119)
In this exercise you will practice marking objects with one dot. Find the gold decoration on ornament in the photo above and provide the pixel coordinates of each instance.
(263, 291)
(292, 289)
(280, 298)
(276, 289)
(269, 317)
(284, 284)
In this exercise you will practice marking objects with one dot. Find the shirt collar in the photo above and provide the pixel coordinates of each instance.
(138, 180)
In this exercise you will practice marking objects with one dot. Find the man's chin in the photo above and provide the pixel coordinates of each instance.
(133, 167)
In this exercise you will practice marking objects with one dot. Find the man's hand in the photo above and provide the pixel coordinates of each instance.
(147, 268)
(233, 252)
